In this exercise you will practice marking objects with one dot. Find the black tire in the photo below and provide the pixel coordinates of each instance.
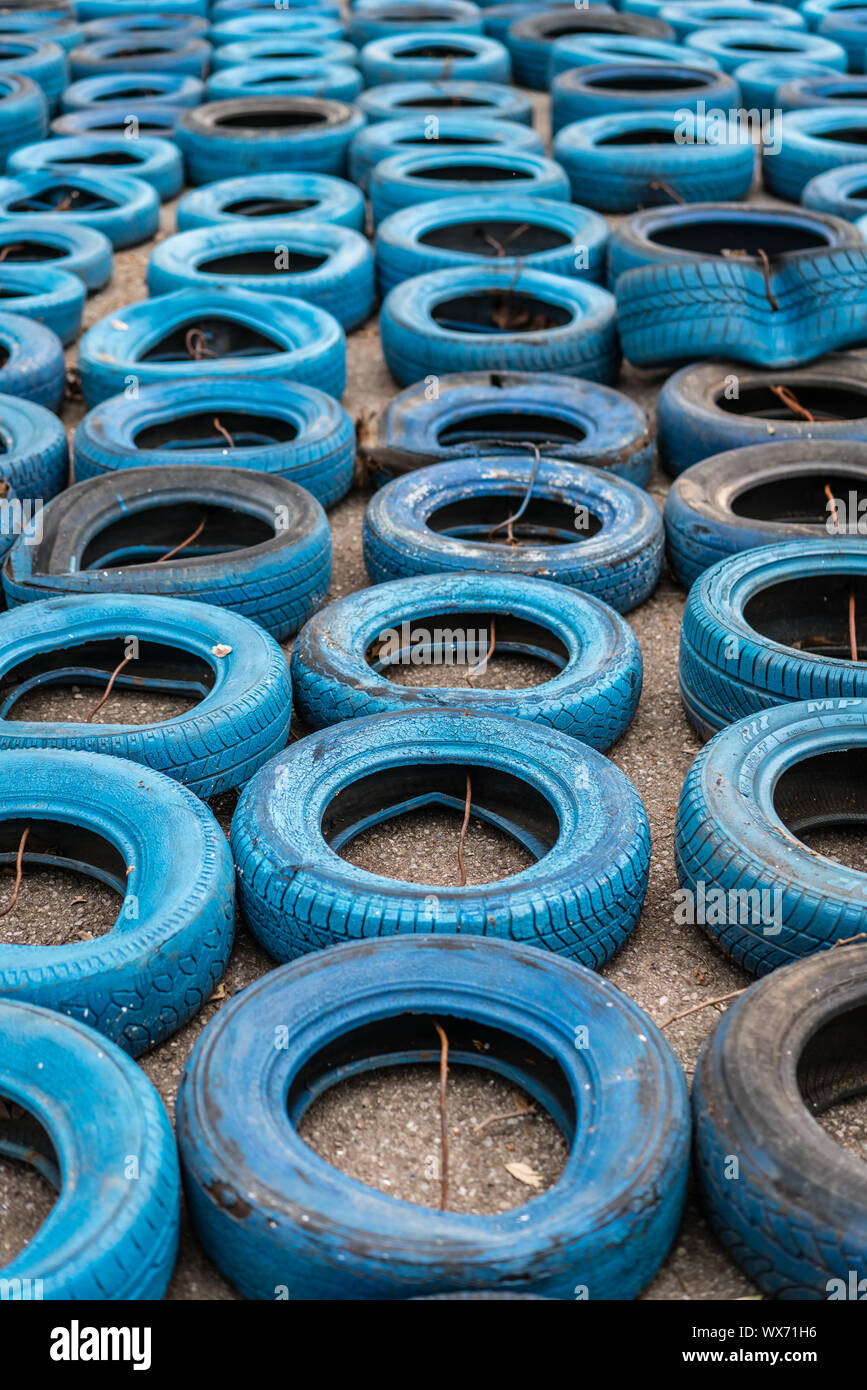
(529, 40)
(224, 139)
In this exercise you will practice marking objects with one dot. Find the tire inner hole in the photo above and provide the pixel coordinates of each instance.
(670, 81)
(851, 135)
(649, 135)
(504, 311)
(544, 521)
(823, 800)
(73, 883)
(468, 173)
(262, 263)
(436, 50)
(109, 158)
(832, 1078)
(450, 649)
(223, 337)
(129, 94)
(519, 426)
(269, 207)
(197, 431)
(752, 46)
(811, 614)
(29, 1182)
(20, 252)
(712, 237)
(801, 498)
(485, 238)
(147, 533)
(434, 103)
(823, 402)
(63, 198)
(272, 120)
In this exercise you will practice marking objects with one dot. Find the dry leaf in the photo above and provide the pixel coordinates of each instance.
(524, 1173)
(218, 995)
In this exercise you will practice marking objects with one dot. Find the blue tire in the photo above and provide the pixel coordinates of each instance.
(280, 428)
(159, 52)
(331, 267)
(531, 40)
(733, 44)
(73, 247)
(479, 412)
(44, 23)
(378, 19)
(34, 368)
(480, 100)
(225, 139)
(535, 233)
(619, 561)
(142, 25)
(419, 176)
(333, 81)
(268, 24)
(832, 89)
(264, 552)
(257, 334)
(433, 58)
(160, 848)
(123, 208)
(149, 119)
(258, 52)
(736, 655)
(240, 720)
(725, 308)
(23, 114)
(841, 192)
(582, 50)
(688, 15)
(711, 407)
(317, 197)
(134, 90)
(637, 1166)
(39, 59)
(761, 79)
(452, 321)
(794, 1220)
(592, 695)
(846, 27)
(811, 142)
(105, 1238)
(382, 139)
(157, 162)
(52, 297)
(87, 10)
(581, 897)
(35, 458)
(612, 172)
(606, 89)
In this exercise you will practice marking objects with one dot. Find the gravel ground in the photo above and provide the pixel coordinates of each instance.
(384, 1128)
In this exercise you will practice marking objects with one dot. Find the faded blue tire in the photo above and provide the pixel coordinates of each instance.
(605, 1226)
(618, 559)
(530, 41)
(434, 57)
(320, 197)
(811, 142)
(737, 658)
(689, 15)
(800, 92)
(34, 368)
(157, 162)
(377, 19)
(137, 91)
(159, 847)
(270, 23)
(243, 698)
(418, 176)
(483, 319)
(480, 412)
(158, 52)
(733, 44)
(596, 664)
(842, 192)
(381, 139)
(333, 81)
(89, 1108)
(35, 457)
(761, 79)
(480, 100)
(328, 266)
(44, 62)
(123, 208)
(23, 114)
(516, 233)
(212, 333)
(113, 118)
(277, 427)
(224, 139)
(582, 50)
(605, 89)
(291, 49)
(52, 297)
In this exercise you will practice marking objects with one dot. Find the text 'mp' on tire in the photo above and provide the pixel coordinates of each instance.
(321, 197)
(33, 367)
(790, 1048)
(275, 427)
(574, 525)
(161, 849)
(224, 139)
(229, 666)
(88, 1109)
(602, 1230)
(578, 817)
(768, 626)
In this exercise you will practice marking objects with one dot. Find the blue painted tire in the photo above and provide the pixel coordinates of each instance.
(318, 197)
(477, 412)
(40, 59)
(52, 297)
(498, 19)
(157, 162)
(334, 1238)
(480, 100)
(266, 24)
(160, 52)
(333, 81)
(581, 897)
(265, 551)
(34, 368)
(336, 271)
(842, 192)
(55, 26)
(582, 50)
(378, 19)
(87, 10)
(606, 89)
(759, 496)
(143, 24)
(688, 15)
(419, 176)
(241, 718)
(466, 232)
(720, 308)
(315, 52)
(794, 1220)
(611, 173)
(431, 58)
(135, 90)
(419, 338)
(698, 415)
(76, 248)
(280, 428)
(814, 11)
(224, 139)
(761, 79)
(734, 44)
(846, 27)
(834, 89)
(35, 458)
(162, 851)
(382, 139)
(149, 345)
(672, 235)
(104, 1238)
(152, 119)
(592, 694)
(620, 562)
(123, 208)
(731, 670)
(808, 146)
(23, 114)
(530, 41)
